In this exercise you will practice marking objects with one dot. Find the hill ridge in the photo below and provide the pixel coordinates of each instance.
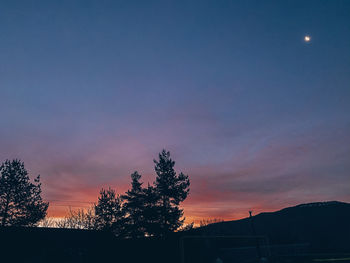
(323, 225)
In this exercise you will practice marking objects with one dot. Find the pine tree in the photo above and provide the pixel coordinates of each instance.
(109, 213)
(20, 200)
(135, 199)
(152, 212)
(171, 189)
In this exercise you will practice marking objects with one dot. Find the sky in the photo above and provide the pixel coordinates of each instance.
(258, 118)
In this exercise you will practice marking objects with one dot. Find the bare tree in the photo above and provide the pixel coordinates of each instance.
(78, 219)
(208, 221)
(47, 222)
(186, 227)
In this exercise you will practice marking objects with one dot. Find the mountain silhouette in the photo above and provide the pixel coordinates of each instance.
(323, 226)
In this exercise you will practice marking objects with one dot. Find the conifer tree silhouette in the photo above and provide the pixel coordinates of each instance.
(20, 200)
(109, 214)
(152, 212)
(170, 189)
(135, 205)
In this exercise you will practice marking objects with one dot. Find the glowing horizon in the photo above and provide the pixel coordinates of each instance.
(258, 119)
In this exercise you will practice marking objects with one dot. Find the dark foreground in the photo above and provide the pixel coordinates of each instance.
(67, 245)
(41, 245)
(310, 233)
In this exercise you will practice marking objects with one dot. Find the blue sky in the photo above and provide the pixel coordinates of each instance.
(92, 90)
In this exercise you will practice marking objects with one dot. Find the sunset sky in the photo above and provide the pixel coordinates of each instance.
(258, 118)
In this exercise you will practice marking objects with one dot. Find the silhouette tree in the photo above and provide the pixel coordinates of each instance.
(20, 200)
(171, 189)
(135, 204)
(186, 227)
(151, 212)
(208, 221)
(109, 213)
(78, 219)
(47, 222)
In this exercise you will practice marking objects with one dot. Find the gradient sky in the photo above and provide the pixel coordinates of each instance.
(92, 90)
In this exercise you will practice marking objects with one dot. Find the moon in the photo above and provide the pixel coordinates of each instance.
(307, 38)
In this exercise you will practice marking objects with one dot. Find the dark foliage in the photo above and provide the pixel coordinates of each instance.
(20, 200)
(151, 212)
(109, 215)
(134, 207)
(171, 189)
(155, 211)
